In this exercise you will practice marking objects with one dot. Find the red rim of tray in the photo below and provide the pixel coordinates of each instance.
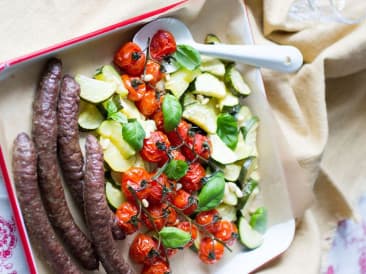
(93, 34)
(11, 193)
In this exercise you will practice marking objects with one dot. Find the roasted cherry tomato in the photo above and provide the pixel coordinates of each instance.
(162, 44)
(208, 219)
(159, 120)
(149, 103)
(158, 267)
(137, 178)
(190, 228)
(180, 134)
(130, 59)
(142, 249)
(153, 71)
(127, 217)
(160, 190)
(185, 201)
(136, 88)
(210, 250)
(177, 155)
(200, 145)
(192, 180)
(155, 147)
(161, 215)
(226, 231)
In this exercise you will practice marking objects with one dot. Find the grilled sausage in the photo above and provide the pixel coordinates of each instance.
(97, 211)
(44, 133)
(40, 230)
(118, 233)
(69, 151)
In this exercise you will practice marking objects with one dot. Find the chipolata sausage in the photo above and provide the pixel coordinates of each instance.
(44, 133)
(40, 230)
(69, 151)
(97, 211)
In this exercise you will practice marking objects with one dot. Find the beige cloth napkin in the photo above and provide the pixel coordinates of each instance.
(321, 111)
(320, 108)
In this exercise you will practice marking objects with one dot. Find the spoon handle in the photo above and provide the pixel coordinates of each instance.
(280, 58)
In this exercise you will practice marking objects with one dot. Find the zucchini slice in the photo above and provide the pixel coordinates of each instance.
(227, 212)
(179, 81)
(249, 237)
(93, 90)
(113, 157)
(248, 167)
(203, 115)
(220, 151)
(229, 100)
(130, 110)
(213, 66)
(235, 82)
(109, 74)
(212, 39)
(89, 116)
(232, 172)
(113, 130)
(209, 85)
(114, 195)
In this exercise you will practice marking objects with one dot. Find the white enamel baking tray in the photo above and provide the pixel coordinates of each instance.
(228, 19)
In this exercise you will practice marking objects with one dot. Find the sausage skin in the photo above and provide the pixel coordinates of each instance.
(97, 212)
(40, 230)
(44, 133)
(69, 151)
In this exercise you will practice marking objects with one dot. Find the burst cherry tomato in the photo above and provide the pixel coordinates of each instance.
(136, 178)
(210, 250)
(190, 228)
(136, 88)
(208, 219)
(185, 201)
(153, 69)
(176, 137)
(162, 44)
(155, 146)
(177, 155)
(149, 103)
(161, 214)
(130, 59)
(192, 180)
(158, 267)
(160, 190)
(142, 249)
(159, 120)
(127, 217)
(226, 231)
(201, 146)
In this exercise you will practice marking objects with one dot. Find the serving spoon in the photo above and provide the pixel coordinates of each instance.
(275, 57)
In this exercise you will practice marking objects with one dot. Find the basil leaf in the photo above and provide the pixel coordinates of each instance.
(134, 134)
(176, 169)
(248, 125)
(173, 237)
(119, 117)
(187, 57)
(212, 192)
(172, 112)
(258, 219)
(227, 129)
(110, 107)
